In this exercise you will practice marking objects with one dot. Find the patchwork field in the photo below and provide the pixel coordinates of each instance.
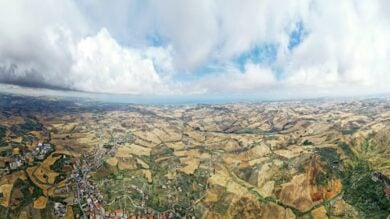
(297, 159)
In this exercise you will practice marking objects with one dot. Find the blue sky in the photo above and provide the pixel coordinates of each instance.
(279, 49)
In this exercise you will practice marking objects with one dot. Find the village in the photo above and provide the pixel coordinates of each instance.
(21, 157)
(58, 173)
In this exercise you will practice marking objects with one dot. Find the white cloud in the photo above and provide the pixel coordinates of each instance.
(219, 30)
(34, 41)
(101, 64)
(232, 80)
(51, 45)
(102, 47)
(347, 47)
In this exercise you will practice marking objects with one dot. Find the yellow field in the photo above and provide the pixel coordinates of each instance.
(6, 189)
(40, 203)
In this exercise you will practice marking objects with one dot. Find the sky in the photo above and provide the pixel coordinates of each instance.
(215, 48)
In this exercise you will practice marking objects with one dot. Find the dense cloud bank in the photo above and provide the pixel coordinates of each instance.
(197, 47)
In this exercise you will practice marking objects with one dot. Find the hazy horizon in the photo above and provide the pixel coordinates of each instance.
(170, 100)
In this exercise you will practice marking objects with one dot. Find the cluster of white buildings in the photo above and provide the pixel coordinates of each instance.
(59, 209)
(42, 150)
(17, 162)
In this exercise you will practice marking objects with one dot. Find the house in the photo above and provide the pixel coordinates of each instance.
(15, 164)
(376, 176)
(59, 209)
(387, 191)
(120, 213)
(42, 150)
